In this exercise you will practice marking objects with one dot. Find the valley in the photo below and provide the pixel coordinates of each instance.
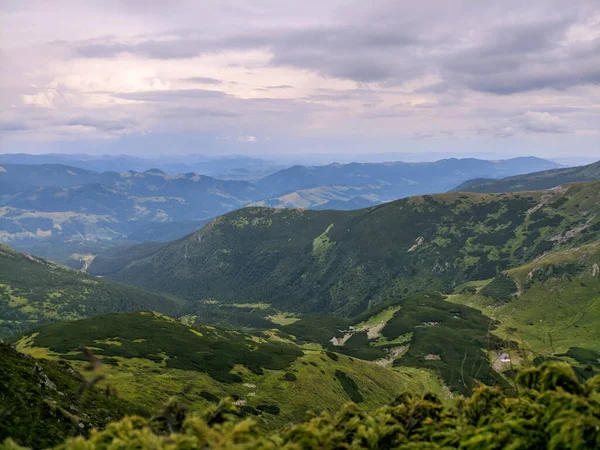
(285, 311)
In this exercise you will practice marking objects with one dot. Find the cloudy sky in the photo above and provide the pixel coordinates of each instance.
(256, 77)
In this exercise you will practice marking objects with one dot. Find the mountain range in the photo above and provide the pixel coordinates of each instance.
(70, 214)
(232, 167)
(388, 181)
(58, 211)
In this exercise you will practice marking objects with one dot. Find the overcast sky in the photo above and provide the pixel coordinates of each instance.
(515, 77)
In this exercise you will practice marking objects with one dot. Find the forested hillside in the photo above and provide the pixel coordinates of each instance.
(342, 262)
(35, 291)
(520, 280)
(551, 306)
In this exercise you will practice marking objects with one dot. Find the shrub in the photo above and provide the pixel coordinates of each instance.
(553, 410)
(350, 386)
(269, 408)
(248, 410)
(289, 376)
(332, 355)
(209, 396)
(501, 288)
(583, 355)
(151, 336)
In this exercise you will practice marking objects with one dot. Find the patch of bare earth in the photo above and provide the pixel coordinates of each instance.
(420, 240)
(339, 342)
(546, 198)
(373, 331)
(393, 353)
(572, 232)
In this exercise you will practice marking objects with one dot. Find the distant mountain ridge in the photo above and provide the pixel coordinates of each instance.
(533, 181)
(393, 180)
(76, 211)
(232, 167)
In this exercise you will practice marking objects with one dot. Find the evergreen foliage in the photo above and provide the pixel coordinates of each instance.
(502, 288)
(350, 386)
(553, 410)
(152, 336)
(429, 323)
(43, 402)
(34, 291)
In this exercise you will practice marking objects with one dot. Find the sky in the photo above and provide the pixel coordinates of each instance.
(293, 77)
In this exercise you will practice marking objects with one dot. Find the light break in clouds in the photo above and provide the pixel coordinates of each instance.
(301, 76)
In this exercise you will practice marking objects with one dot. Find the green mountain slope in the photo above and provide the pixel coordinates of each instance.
(552, 410)
(42, 403)
(343, 262)
(550, 306)
(35, 291)
(413, 332)
(533, 181)
(149, 358)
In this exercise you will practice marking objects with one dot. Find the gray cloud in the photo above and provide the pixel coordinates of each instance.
(367, 95)
(201, 80)
(506, 59)
(502, 69)
(14, 125)
(99, 124)
(528, 122)
(198, 112)
(391, 43)
(175, 49)
(169, 95)
(525, 57)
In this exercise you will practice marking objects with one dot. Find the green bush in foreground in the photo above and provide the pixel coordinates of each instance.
(553, 410)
